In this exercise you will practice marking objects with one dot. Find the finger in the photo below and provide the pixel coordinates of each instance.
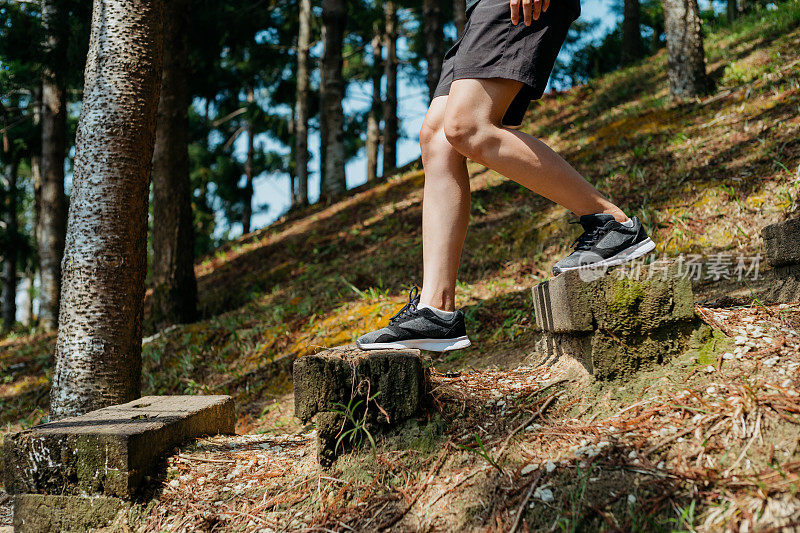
(545, 5)
(514, 11)
(537, 9)
(526, 10)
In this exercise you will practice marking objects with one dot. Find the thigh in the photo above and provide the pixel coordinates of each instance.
(483, 100)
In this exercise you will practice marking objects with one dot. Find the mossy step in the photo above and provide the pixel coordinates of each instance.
(109, 451)
(584, 301)
(611, 324)
(45, 513)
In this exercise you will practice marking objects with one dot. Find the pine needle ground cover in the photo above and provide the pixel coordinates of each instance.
(709, 440)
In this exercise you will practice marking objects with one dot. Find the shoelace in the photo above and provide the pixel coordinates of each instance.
(408, 309)
(589, 237)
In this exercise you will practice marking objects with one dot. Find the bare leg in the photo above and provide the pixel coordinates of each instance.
(473, 126)
(445, 209)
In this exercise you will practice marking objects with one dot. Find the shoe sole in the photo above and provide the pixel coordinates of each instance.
(628, 254)
(433, 345)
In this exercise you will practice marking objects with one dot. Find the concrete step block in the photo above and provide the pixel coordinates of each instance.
(782, 243)
(389, 384)
(613, 325)
(109, 451)
(577, 301)
(46, 513)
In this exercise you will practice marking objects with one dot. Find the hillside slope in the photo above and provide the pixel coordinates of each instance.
(705, 176)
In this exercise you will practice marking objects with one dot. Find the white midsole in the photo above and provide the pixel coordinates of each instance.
(433, 345)
(628, 254)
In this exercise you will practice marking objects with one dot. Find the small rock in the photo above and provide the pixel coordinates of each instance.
(710, 369)
(546, 495)
(528, 469)
(632, 455)
(549, 466)
(631, 499)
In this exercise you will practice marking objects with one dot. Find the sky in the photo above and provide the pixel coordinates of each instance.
(412, 103)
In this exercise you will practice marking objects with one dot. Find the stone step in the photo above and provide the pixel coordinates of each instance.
(109, 451)
(782, 243)
(782, 250)
(390, 384)
(611, 324)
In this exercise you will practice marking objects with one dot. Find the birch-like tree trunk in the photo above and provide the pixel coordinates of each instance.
(434, 42)
(99, 346)
(460, 16)
(390, 122)
(334, 17)
(174, 282)
(301, 105)
(687, 62)
(632, 47)
(52, 217)
(374, 117)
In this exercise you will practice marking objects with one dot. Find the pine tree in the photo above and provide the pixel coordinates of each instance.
(687, 62)
(174, 283)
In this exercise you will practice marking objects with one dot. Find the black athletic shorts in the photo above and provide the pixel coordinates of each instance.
(492, 47)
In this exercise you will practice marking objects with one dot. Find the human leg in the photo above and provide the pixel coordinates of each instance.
(473, 126)
(445, 209)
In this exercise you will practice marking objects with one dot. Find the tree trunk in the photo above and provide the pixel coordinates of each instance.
(53, 208)
(687, 63)
(247, 212)
(434, 41)
(374, 118)
(334, 15)
(732, 10)
(301, 105)
(10, 255)
(31, 298)
(390, 104)
(632, 48)
(460, 16)
(99, 346)
(174, 283)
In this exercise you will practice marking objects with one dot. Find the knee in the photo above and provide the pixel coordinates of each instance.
(463, 133)
(427, 136)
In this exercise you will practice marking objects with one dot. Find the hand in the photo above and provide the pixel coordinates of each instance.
(531, 10)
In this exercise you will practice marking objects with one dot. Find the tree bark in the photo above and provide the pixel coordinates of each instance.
(732, 10)
(632, 48)
(687, 63)
(10, 255)
(99, 345)
(460, 16)
(301, 105)
(334, 16)
(174, 283)
(53, 208)
(434, 41)
(374, 117)
(247, 212)
(390, 123)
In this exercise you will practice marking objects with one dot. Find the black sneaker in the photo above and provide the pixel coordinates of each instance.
(605, 243)
(418, 328)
